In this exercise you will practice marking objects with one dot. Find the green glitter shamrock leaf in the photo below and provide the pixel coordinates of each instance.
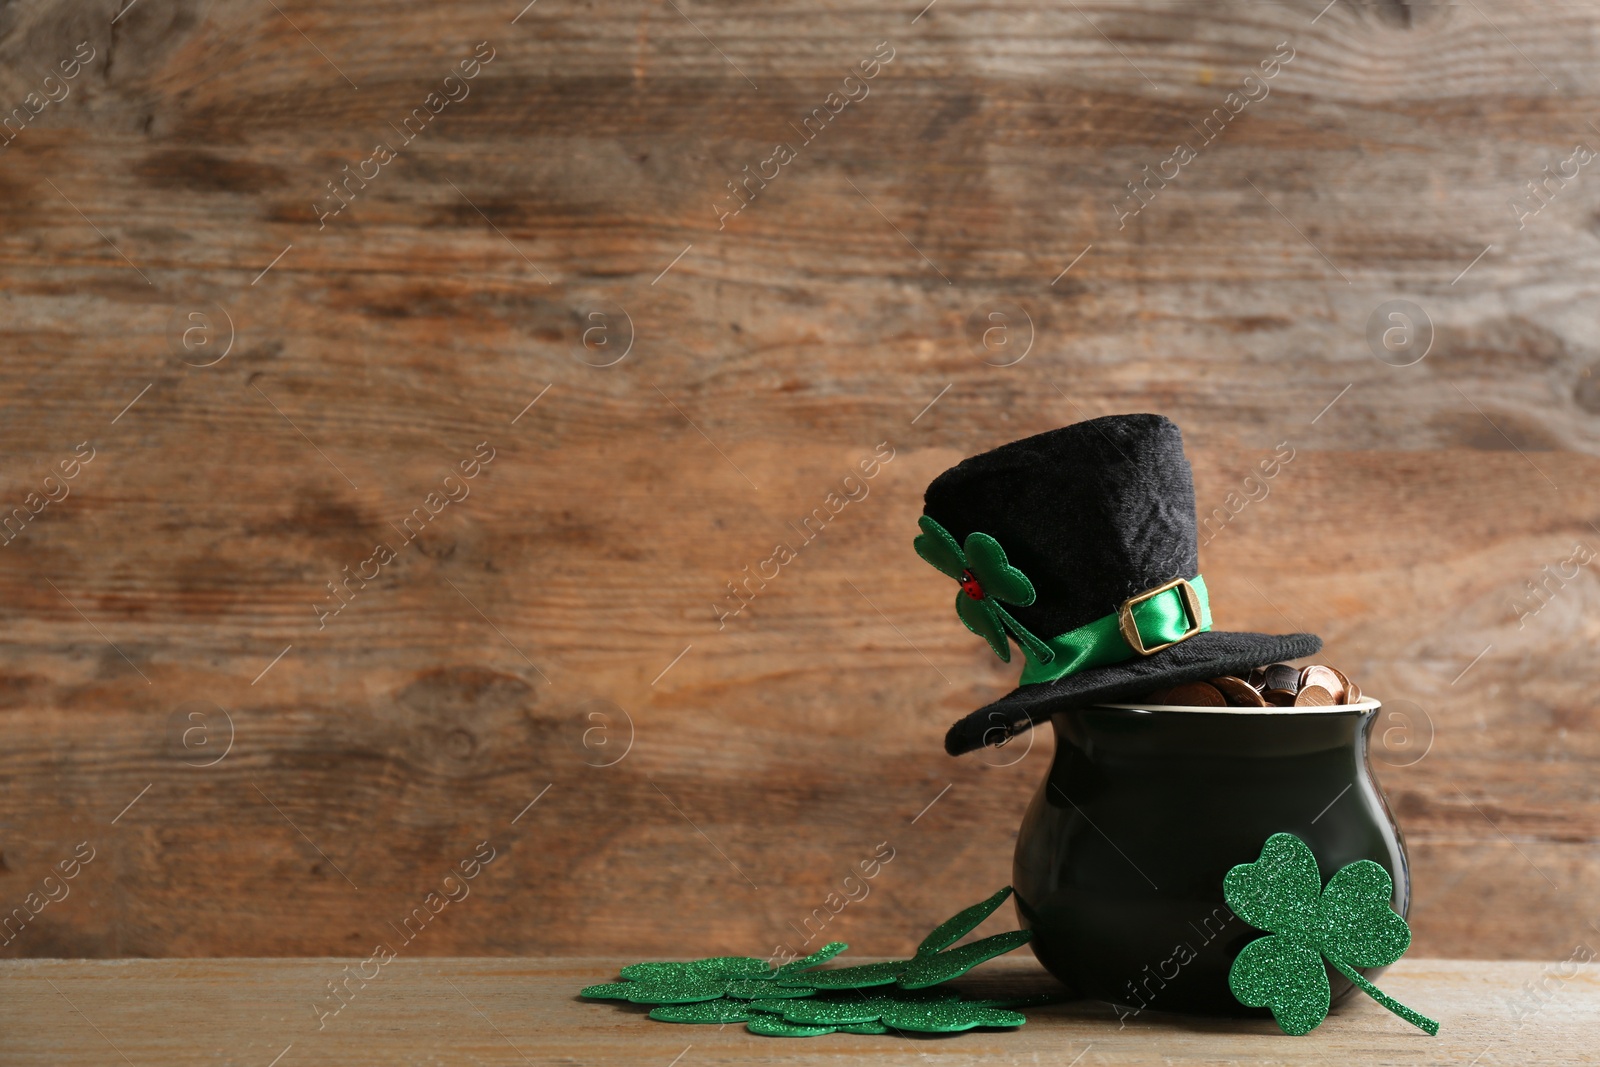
(961, 923)
(659, 990)
(925, 1011)
(710, 968)
(842, 1010)
(765, 989)
(941, 1013)
(924, 971)
(861, 977)
(694, 981)
(1349, 923)
(932, 964)
(722, 1010)
(987, 579)
(947, 1018)
(822, 955)
(797, 1000)
(773, 1026)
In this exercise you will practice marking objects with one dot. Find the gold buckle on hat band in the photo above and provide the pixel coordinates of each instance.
(1130, 629)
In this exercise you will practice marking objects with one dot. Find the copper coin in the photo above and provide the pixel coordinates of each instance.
(1194, 695)
(1278, 698)
(1283, 676)
(1352, 695)
(1257, 678)
(1237, 692)
(1326, 677)
(1314, 696)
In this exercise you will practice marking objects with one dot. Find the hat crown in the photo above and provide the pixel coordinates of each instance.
(1092, 513)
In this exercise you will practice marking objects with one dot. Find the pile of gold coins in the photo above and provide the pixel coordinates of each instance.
(1277, 686)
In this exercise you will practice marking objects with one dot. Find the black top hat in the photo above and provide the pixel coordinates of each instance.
(1079, 545)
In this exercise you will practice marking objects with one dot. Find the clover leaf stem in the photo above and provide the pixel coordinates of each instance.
(1420, 1021)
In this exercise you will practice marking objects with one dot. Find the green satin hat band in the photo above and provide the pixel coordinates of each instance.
(1160, 619)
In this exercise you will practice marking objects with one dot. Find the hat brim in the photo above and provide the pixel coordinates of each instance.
(1205, 655)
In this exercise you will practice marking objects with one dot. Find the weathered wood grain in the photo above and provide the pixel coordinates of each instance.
(519, 1011)
(769, 755)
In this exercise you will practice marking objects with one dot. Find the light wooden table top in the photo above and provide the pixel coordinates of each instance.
(427, 1012)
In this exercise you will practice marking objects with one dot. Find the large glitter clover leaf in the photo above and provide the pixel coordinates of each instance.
(1349, 923)
(988, 582)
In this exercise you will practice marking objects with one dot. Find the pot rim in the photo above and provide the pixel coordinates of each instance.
(1364, 704)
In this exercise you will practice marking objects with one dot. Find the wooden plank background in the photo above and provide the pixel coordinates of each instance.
(250, 780)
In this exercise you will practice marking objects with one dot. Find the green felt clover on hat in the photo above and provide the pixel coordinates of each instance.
(988, 582)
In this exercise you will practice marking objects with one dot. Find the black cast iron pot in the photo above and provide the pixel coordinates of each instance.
(1120, 859)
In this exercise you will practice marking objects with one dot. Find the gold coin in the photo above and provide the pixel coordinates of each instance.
(1314, 696)
(1237, 692)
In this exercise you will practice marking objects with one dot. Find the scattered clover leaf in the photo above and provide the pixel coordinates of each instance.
(863, 1028)
(798, 1000)
(765, 989)
(660, 991)
(948, 1018)
(961, 924)
(773, 1026)
(694, 981)
(930, 965)
(712, 968)
(822, 955)
(1349, 923)
(845, 1010)
(936, 967)
(718, 1011)
(861, 977)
